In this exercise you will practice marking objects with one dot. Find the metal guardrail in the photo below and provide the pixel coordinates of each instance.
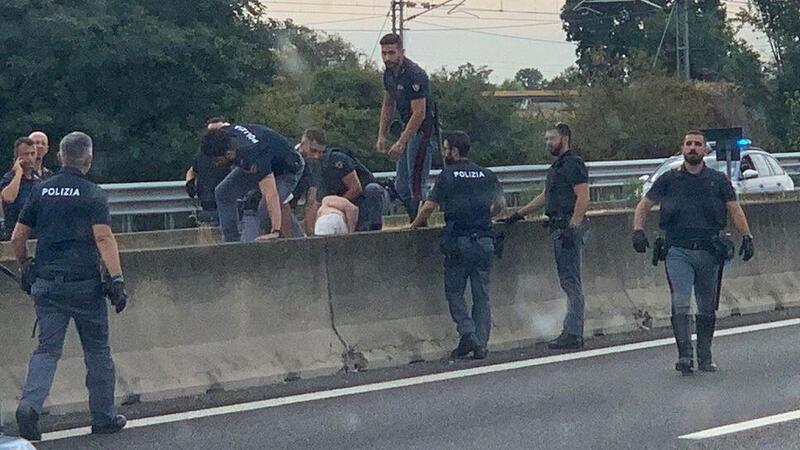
(167, 197)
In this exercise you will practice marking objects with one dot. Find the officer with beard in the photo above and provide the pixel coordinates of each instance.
(695, 202)
(566, 200)
(470, 196)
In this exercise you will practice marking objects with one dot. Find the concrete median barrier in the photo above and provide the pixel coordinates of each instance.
(210, 317)
(200, 318)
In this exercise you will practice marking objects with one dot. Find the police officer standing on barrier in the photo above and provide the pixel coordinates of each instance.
(566, 200)
(470, 196)
(71, 219)
(695, 202)
(407, 88)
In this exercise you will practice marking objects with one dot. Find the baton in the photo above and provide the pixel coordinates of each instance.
(719, 286)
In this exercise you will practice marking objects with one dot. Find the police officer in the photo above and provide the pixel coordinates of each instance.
(263, 160)
(408, 90)
(204, 176)
(695, 202)
(18, 183)
(71, 219)
(566, 200)
(470, 196)
(344, 176)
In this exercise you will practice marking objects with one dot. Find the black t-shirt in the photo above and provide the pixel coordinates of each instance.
(62, 210)
(208, 175)
(263, 151)
(567, 171)
(410, 83)
(305, 183)
(692, 206)
(466, 192)
(12, 210)
(333, 167)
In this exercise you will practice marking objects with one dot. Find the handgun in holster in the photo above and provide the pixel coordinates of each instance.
(660, 249)
(499, 244)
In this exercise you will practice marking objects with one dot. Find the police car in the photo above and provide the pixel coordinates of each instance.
(757, 172)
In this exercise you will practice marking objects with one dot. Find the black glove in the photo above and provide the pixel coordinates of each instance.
(27, 275)
(747, 250)
(513, 218)
(568, 237)
(191, 188)
(640, 242)
(117, 293)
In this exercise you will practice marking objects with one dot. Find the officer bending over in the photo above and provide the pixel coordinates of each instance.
(470, 196)
(695, 202)
(263, 160)
(70, 216)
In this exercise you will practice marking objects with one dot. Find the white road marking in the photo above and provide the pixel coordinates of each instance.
(413, 381)
(744, 426)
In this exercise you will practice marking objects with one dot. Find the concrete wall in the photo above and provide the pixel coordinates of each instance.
(224, 316)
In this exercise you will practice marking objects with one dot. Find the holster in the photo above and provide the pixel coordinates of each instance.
(27, 275)
(724, 248)
(556, 223)
(660, 249)
(499, 244)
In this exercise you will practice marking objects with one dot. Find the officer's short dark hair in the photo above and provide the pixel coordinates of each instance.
(216, 119)
(563, 130)
(21, 141)
(696, 133)
(75, 148)
(458, 139)
(392, 39)
(317, 135)
(216, 143)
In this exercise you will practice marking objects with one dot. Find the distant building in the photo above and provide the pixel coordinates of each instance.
(537, 101)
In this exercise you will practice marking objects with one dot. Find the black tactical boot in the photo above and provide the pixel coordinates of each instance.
(28, 423)
(115, 426)
(705, 333)
(466, 345)
(566, 341)
(683, 338)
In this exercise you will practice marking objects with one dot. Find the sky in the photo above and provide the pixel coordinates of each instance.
(505, 35)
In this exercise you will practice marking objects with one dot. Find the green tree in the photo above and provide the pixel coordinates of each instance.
(780, 21)
(140, 77)
(618, 39)
(531, 78)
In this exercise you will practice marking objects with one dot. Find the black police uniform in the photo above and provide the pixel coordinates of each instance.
(62, 211)
(564, 174)
(411, 83)
(207, 177)
(260, 151)
(693, 212)
(12, 210)
(466, 192)
(334, 165)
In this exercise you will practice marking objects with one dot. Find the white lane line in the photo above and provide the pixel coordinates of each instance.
(413, 381)
(743, 426)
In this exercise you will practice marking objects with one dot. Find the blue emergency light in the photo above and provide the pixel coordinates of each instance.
(743, 143)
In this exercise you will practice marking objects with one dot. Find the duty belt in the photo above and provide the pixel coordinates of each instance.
(557, 223)
(692, 244)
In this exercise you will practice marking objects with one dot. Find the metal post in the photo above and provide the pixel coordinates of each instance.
(394, 16)
(728, 160)
(686, 64)
(402, 21)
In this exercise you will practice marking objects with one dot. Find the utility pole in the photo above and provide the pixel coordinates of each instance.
(682, 62)
(398, 17)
